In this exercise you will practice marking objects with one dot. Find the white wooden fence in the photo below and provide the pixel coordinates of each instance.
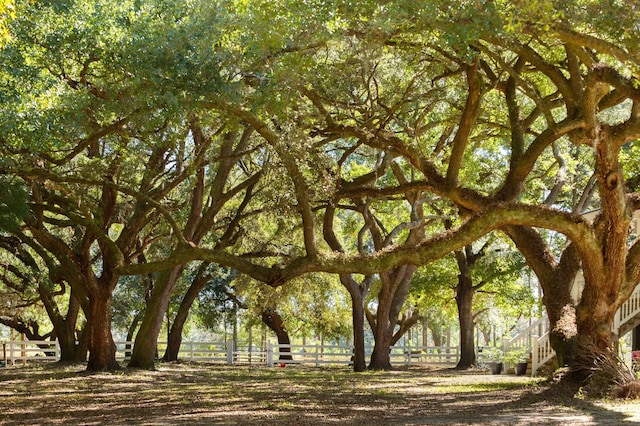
(21, 352)
(14, 352)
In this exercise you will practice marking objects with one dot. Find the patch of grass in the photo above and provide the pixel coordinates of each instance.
(481, 387)
(191, 393)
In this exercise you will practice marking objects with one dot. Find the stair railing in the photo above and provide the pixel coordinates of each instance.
(629, 310)
(541, 352)
(523, 339)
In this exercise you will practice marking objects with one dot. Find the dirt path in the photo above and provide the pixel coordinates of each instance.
(207, 394)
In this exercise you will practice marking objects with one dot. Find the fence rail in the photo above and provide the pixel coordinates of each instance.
(16, 352)
(30, 350)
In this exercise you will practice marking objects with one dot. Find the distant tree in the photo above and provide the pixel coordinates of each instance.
(210, 286)
(490, 268)
(34, 301)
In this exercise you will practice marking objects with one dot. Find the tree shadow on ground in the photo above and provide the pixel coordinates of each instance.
(200, 394)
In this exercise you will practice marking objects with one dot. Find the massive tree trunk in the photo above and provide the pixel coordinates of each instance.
(273, 320)
(562, 318)
(381, 355)
(145, 346)
(602, 294)
(102, 349)
(358, 293)
(556, 280)
(393, 294)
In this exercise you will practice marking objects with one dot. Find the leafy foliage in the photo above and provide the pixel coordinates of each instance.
(13, 204)
(215, 301)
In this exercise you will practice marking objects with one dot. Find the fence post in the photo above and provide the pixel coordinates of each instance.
(4, 353)
(191, 352)
(317, 356)
(269, 355)
(448, 343)
(23, 349)
(58, 350)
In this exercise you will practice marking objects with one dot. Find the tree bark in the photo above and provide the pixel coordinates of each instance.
(73, 351)
(562, 322)
(358, 294)
(273, 320)
(357, 313)
(464, 302)
(556, 280)
(393, 293)
(381, 355)
(605, 277)
(65, 328)
(465, 290)
(175, 333)
(102, 349)
(145, 346)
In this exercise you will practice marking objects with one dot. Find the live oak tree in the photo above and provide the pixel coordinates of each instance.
(96, 182)
(473, 100)
(31, 294)
(115, 168)
(585, 82)
(219, 177)
(564, 86)
(452, 131)
(556, 81)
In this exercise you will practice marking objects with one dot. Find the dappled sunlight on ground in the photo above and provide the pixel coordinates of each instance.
(189, 393)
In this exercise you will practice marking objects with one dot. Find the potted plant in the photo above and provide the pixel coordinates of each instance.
(518, 357)
(494, 359)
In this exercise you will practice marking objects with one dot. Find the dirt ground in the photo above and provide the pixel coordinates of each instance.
(191, 393)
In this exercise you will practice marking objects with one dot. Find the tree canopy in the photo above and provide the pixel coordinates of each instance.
(363, 139)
